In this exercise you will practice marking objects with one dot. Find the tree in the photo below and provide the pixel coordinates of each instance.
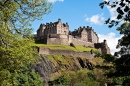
(16, 51)
(17, 14)
(123, 9)
(123, 63)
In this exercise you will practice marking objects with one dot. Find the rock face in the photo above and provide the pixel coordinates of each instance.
(55, 66)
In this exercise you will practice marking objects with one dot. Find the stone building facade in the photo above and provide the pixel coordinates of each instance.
(103, 47)
(86, 34)
(58, 33)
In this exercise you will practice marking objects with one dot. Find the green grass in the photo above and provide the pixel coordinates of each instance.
(64, 47)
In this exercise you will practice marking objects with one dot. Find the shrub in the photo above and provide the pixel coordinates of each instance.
(72, 45)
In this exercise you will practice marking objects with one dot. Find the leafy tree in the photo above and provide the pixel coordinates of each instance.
(123, 9)
(109, 58)
(123, 63)
(22, 77)
(76, 78)
(16, 49)
(17, 14)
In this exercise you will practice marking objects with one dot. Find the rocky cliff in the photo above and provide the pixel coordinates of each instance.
(50, 67)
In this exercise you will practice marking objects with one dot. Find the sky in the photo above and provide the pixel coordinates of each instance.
(83, 13)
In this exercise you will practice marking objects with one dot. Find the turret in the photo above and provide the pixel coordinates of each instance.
(66, 24)
(59, 20)
(105, 41)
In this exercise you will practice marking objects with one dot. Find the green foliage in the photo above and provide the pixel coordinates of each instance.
(61, 81)
(85, 77)
(122, 63)
(16, 51)
(18, 14)
(28, 77)
(22, 77)
(108, 58)
(118, 80)
(122, 7)
(17, 54)
(97, 54)
(82, 77)
(122, 80)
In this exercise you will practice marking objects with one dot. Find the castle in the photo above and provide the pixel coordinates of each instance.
(58, 33)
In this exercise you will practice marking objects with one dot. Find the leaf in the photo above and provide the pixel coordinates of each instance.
(110, 26)
(101, 5)
(105, 2)
(127, 1)
(107, 21)
(113, 6)
(126, 9)
(116, 2)
(119, 16)
(119, 11)
(116, 23)
(122, 4)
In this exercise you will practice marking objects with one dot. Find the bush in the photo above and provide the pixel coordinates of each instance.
(78, 78)
(109, 58)
(72, 45)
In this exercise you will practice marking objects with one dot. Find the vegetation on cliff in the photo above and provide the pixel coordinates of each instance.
(74, 71)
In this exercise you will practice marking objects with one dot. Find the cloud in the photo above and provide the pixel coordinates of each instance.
(112, 40)
(35, 33)
(96, 19)
(53, 1)
(112, 11)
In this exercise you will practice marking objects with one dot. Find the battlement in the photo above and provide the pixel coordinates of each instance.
(58, 33)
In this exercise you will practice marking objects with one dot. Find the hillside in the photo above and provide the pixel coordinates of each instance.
(52, 67)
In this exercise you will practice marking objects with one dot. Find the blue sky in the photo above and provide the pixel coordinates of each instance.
(83, 13)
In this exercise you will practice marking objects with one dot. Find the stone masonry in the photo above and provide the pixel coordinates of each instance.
(58, 33)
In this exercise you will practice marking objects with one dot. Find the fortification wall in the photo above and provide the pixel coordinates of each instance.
(60, 39)
(46, 51)
(79, 42)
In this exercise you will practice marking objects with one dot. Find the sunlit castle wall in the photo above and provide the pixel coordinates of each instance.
(79, 42)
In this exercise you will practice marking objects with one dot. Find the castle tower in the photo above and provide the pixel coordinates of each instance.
(92, 36)
(40, 31)
(62, 28)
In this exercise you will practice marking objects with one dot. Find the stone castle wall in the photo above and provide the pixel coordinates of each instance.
(46, 51)
(80, 42)
(66, 40)
(59, 39)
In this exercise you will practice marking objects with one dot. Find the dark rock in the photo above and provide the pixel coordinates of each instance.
(46, 67)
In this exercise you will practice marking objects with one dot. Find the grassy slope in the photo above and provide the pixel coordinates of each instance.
(78, 75)
(65, 47)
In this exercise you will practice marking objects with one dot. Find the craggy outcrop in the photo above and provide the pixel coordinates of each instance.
(53, 66)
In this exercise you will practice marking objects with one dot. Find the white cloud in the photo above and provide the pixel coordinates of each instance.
(53, 1)
(96, 19)
(35, 33)
(112, 11)
(112, 40)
